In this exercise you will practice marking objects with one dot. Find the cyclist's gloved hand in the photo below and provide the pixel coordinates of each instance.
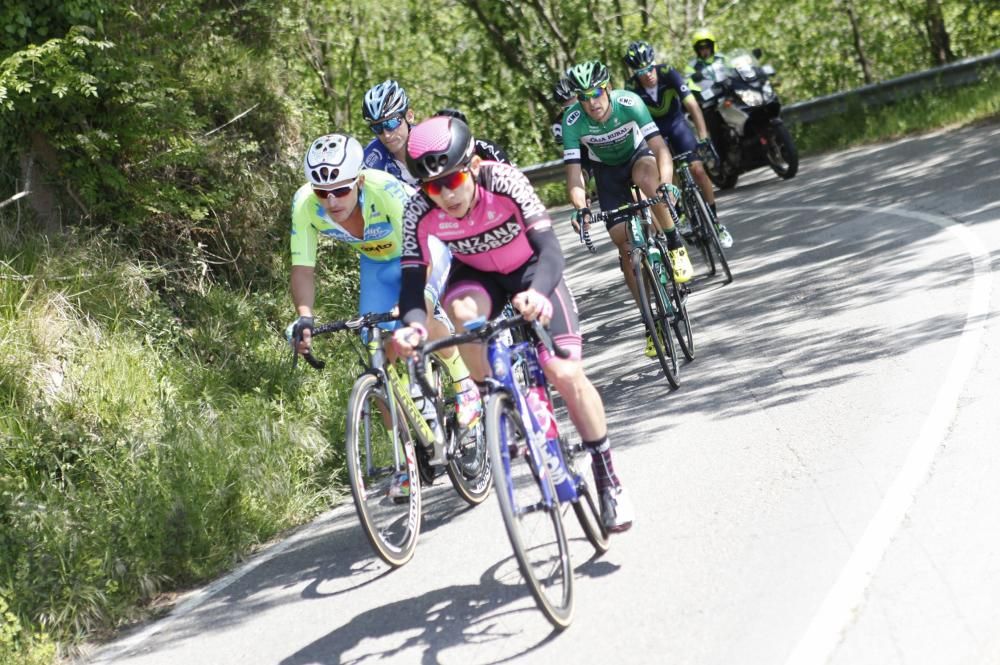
(299, 333)
(580, 216)
(707, 150)
(533, 305)
(408, 338)
(669, 192)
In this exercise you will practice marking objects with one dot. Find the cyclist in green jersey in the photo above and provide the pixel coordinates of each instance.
(625, 147)
(364, 208)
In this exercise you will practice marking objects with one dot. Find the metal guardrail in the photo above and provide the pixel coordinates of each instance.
(954, 74)
(962, 72)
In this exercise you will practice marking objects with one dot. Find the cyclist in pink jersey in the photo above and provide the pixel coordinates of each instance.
(503, 247)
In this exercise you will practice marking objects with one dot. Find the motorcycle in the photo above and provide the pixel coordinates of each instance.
(744, 119)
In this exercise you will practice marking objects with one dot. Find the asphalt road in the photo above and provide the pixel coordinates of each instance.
(822, 488)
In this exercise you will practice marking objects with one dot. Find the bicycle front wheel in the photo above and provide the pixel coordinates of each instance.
(656, 315)
(530, 512)
(708, 236)
(383, 473)
(680, 321)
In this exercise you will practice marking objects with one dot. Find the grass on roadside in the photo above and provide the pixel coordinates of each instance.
(947, 108)
(149, 436)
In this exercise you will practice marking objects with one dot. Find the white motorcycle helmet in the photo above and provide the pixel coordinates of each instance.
(334, 158)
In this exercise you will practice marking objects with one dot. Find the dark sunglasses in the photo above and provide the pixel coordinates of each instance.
(452, 181)
(644, 70)
(593, 93)
(386, 125)
(339, 192)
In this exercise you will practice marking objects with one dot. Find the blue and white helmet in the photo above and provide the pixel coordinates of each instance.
(333, 158)
(384, 100)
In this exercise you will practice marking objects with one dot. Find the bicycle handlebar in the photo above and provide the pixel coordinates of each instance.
(365, 321)
(629, 208)
(480, 334)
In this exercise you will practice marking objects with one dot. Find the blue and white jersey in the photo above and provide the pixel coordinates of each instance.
(377, 156)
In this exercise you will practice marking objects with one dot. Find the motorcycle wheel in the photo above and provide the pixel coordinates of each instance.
(723, 178)
(781, 153)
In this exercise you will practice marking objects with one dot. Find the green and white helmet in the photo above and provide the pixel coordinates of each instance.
(588, 75)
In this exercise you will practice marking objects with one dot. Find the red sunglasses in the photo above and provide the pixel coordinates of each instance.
(339, 192)
(452, 181)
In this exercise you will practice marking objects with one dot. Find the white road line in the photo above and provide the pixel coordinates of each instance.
(847, 596)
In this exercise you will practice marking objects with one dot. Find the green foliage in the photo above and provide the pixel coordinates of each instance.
(151, 431)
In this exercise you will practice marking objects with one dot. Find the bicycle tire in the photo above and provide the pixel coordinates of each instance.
(680, 319)
(655, 315)
(521, 485)
(391, 525)
(470, 468)
(710, 236)
(588, 512)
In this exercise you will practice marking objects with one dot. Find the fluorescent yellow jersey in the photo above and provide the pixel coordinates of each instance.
(382, 199)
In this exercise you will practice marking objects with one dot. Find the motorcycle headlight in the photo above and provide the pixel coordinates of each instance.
(751, 97)
(768, 92)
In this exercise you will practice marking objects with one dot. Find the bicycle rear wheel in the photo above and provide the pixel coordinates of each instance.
(588, 513)
(390, 512)
(655, 315)
(469, 465)
(530, 512)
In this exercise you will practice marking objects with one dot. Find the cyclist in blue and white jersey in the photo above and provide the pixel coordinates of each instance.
(386, 109)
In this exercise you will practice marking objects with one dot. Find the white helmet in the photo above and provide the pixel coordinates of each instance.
(333, 158)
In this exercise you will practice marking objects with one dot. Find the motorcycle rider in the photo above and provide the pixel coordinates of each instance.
(667, 97)
(701, 67)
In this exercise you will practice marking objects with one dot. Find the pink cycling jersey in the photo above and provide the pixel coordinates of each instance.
(493, 236)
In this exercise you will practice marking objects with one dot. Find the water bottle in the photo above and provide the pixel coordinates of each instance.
(656, 259)
(542, 409)
(539, 404)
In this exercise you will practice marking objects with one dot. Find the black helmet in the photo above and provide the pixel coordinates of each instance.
(639, 55)
(453, 113)
(438, 145)
(563, 89)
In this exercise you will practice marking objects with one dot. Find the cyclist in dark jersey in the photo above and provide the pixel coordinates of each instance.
(486, 149)
(503, 247)
(667, 97)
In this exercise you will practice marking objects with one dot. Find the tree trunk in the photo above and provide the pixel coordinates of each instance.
(39, 169)
(940, 41)
(859, 47)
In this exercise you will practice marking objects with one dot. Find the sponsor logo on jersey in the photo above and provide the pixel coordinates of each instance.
(448, 225)
(377, 249)
(339, 234)
(416, 208)
(615, 136)
(625, 100)
(510, 182)
(487, 241)
(378, 230)
(572, 117)
(372, 159)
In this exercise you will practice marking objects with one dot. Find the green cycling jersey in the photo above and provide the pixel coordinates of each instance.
(612, 141)
(382, 198)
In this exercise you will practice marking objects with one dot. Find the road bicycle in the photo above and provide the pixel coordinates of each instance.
(387, 414)
(704, 233)
(662, 300)
(538, 475)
